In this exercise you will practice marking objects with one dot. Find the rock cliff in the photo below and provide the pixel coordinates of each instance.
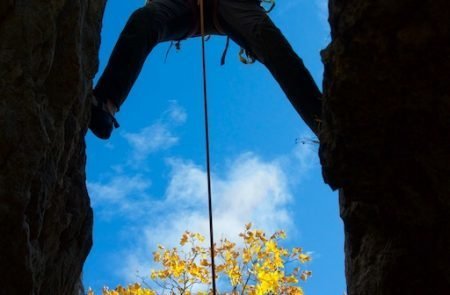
(385, 142)
(48, 58)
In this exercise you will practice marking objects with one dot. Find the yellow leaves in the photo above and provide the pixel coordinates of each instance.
(191, 237)
(194, 270)
(304, 258)
(184, 239)
(269, 279)
(291, 279)
(305, 275)
(156, 256)
(294, 291)
(220, 268)
(296, 251)
(234, 274)
(153, 275)
(256, 267)
(133, 289)
(204, 262)
(226, 246)
(161, 274)
(271, 246)
(246, 255)
(199, 237)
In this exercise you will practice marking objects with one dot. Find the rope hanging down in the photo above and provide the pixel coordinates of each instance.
(208, 166)
(205, 104)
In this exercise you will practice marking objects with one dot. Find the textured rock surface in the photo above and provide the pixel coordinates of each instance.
(386, 142)
(48, 57)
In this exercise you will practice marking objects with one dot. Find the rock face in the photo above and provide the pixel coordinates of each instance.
(48, 58)
(385, 142)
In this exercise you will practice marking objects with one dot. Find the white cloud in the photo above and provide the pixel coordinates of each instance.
(304, 157)
(176, 113)
(150, 139)
(126, 192)
(157, 136)
(249, 190)
(127, 195)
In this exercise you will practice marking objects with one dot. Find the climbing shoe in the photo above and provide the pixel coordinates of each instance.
(102, 121)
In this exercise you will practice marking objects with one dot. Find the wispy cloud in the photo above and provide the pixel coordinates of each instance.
(149, 140)
(176, 113)
(120, 195)
(303, 157)
(157, 136)
(126, 192)
(247, 189)
(250, 189)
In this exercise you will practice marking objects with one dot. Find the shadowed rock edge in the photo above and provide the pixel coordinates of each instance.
(385, 142)
(48, 58)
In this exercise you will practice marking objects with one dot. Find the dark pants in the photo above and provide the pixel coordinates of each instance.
(244, 21)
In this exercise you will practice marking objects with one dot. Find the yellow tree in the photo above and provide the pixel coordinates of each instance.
(260, 266)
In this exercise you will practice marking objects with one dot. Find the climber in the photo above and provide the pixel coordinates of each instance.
(244, 21)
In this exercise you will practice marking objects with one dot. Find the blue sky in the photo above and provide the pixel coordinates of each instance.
(148, 183)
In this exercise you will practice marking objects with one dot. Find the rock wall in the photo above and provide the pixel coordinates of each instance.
(48, 57)
(385, 142)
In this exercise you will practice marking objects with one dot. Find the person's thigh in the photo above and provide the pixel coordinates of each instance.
(245, 21)
(172, 19)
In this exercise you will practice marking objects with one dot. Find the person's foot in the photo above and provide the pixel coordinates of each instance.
(102, 118)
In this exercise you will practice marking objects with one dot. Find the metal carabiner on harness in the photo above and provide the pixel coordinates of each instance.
(246, 57)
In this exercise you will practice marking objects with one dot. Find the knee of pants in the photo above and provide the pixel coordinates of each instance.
(143, 20)
(268, 43)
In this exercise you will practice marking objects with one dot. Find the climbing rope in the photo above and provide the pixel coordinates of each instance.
(208, 165)
(247, 60)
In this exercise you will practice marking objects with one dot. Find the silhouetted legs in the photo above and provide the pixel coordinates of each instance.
(159, 21)
(245, 21)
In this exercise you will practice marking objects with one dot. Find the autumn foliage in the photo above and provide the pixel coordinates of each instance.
(260, 266)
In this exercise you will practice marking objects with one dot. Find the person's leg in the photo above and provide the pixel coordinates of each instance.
(160, 20)
(247, 23)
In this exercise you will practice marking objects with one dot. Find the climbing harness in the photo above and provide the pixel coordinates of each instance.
(177, 45)
(245, 56)
(208, 162)
(225, 50)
